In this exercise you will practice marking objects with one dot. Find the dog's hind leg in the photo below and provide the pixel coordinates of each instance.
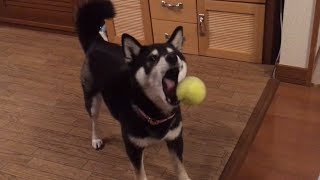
(176, 150)
(93, 107)
(92, 100)
(97, 142)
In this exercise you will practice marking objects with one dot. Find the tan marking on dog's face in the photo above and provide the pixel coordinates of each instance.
(151, 82)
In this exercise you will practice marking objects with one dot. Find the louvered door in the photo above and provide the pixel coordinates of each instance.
(132, 17)
(52, 14)
(231, 30)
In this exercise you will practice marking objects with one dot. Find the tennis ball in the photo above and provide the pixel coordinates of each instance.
(191, 91)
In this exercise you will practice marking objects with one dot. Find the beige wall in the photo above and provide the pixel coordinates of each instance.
(297, 28)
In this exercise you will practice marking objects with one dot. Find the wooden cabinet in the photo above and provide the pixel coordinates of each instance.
(231, 30)
(40, 13)
(133, 17)
(227, 29)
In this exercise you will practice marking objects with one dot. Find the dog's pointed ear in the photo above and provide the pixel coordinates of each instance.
(131, 47)
(177, 38)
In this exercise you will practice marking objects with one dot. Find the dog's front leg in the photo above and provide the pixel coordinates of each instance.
(176, 150)
(135, 155)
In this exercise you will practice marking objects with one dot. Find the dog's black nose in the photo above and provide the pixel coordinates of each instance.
(172, 59)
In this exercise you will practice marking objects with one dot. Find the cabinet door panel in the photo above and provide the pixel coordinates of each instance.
(132, 17)
(231, 30)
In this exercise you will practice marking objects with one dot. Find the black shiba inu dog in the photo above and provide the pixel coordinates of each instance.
(137, 83)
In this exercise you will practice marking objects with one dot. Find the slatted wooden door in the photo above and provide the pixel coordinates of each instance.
(231, 30)
(132, 17)
(52, 14)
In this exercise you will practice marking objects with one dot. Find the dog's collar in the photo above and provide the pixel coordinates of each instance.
(151, 121)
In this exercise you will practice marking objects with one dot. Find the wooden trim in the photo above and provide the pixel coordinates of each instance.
(290, 74)
(248, 135)
(258, 33)
(146, 16)
(111, 32)
(317, 56)
(314, 42)
(203, 39)
(272, 32)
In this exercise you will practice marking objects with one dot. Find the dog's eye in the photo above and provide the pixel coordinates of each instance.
(153, 59)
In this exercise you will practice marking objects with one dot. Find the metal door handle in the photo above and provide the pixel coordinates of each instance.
(167, 36)
(178, 6)
(202, 25)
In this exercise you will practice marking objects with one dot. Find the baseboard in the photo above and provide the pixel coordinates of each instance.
(38, 26)
(290, 74)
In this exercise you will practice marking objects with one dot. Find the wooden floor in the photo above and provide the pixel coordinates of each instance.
(45, 132)
(287, 146)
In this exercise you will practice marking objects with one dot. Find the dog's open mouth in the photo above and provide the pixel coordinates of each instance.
(169, 84)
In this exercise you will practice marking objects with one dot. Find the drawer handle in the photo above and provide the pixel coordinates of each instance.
(171, 6)
(202, 26)
(167, 36)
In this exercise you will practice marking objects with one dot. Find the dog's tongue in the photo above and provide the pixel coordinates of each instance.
(170, 85)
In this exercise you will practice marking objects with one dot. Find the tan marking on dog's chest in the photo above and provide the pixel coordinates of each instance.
(144, 142)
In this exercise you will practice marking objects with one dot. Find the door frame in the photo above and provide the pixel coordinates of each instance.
(314, 51)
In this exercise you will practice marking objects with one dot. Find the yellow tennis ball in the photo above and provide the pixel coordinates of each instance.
(191, 91)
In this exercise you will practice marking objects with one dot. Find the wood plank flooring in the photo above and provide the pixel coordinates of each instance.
(287, 145)
(45, 132)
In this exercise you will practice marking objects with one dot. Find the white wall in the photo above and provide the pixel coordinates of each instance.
(297, 28)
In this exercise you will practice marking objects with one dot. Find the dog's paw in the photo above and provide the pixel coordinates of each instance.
(183, 177)
(97, 144)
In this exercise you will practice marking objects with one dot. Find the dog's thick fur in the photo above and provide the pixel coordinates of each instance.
(137, 83)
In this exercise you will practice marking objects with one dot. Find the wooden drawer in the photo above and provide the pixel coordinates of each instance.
(187, 13)
(160, 28)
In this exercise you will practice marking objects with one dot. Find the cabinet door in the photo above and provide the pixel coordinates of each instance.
(231, 30)
(132, 17)
(39, 13)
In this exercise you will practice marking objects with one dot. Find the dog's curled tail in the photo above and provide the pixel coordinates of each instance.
(90, 17)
